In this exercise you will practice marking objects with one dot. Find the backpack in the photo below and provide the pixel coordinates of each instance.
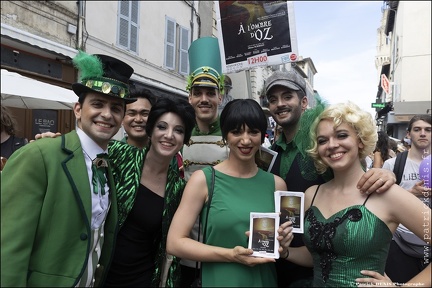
(409, 243)
(400, 166)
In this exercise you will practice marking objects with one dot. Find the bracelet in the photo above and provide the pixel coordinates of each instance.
(286, 257)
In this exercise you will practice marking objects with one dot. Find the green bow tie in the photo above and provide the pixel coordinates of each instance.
(99, 166)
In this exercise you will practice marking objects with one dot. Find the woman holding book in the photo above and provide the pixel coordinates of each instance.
(240, 187)
(347, 232)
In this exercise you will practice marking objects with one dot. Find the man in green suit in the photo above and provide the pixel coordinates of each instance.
(58, 223)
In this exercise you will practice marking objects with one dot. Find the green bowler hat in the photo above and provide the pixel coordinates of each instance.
(102, 74)
(205, 64)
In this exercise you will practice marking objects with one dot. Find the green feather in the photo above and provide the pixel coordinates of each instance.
(189, 82)
(302, 137)
(222, 83)
(89, 66)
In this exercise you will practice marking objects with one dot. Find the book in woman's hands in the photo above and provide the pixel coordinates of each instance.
(290, 204)
(263, 234)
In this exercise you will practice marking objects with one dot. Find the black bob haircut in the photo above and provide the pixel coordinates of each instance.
(240, 112)
(177, 106)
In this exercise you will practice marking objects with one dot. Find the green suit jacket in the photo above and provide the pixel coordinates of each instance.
(46, 215)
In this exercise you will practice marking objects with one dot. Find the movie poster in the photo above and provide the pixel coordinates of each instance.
(255, 33)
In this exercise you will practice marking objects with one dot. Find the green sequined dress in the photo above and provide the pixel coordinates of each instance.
(228, 220)
(349, 241)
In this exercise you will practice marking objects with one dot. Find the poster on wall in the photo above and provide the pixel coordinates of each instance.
(255, 33)
(44, 120)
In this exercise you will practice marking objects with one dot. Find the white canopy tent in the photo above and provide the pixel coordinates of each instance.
(23, 92)
(398, 141)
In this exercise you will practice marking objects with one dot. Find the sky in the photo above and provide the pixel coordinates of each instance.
(340, 37)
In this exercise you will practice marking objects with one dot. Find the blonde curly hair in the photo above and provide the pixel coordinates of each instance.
(349, 113)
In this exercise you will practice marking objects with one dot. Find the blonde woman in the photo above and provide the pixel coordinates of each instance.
(347, 232)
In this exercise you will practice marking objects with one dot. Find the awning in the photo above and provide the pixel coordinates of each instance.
(35, 40)
(23, 92)
(412, 107)
(158, 89)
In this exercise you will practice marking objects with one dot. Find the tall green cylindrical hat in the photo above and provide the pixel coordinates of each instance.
(205, 64)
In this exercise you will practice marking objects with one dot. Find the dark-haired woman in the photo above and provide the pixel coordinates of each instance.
(149, 190)
(382, 150)
(240, 187)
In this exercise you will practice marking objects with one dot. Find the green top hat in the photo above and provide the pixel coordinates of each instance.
(205, 64)
(104, 75)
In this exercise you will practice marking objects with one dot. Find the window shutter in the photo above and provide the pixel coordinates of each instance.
(124, 23)
(170, 36)
(184, 45)
(128, 25)
(134, 26)
(124, 8)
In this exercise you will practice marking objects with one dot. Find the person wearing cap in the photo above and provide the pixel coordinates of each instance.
(205, 85)
(58, 222)
(206, 147)
(226, 97)
(288, 103)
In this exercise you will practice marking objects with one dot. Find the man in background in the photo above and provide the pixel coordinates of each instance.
(408, 254)
(205, 86)
(225, 97)
(135, 119)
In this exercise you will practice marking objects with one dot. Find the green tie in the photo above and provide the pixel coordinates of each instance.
(99, 166)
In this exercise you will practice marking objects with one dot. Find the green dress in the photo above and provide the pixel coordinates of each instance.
(349, 241)
(228, 220)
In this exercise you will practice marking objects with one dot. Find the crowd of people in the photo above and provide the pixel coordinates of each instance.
(169, 205)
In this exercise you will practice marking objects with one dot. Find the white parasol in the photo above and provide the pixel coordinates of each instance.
(23, 92)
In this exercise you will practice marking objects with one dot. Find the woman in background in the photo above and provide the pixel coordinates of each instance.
(9, 142)
(383, 150)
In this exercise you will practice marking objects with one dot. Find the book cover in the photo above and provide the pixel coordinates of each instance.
(263, 234)
(290, 204)
(265, 158)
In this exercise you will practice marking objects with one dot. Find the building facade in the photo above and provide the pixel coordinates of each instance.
(40, 38)
(404, 56)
